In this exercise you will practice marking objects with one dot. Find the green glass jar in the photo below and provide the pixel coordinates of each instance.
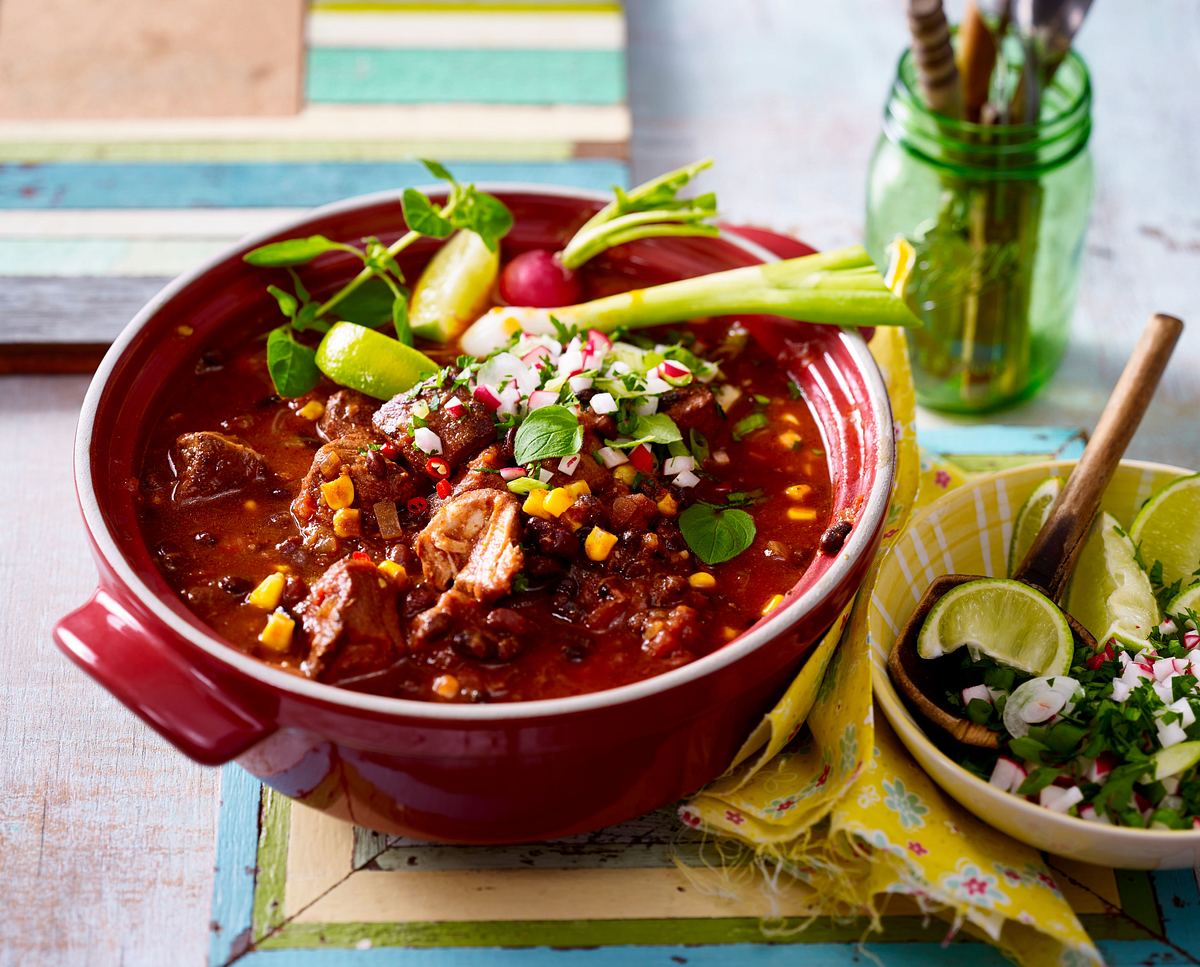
(997, 216)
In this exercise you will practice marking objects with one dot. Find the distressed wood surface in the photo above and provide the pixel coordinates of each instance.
(107, 834)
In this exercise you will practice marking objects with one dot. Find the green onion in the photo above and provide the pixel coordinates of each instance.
(748, 424)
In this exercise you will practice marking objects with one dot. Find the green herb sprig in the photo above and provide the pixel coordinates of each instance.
(716, 534)
(378, 291)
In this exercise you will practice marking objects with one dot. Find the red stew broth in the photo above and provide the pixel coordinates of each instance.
(213, 553)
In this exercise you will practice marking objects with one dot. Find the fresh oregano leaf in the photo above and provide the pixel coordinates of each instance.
(655, 428)
(438, 170)
(422, 216)
(552, 431)
(369, 305)
(287, 302)
(716, 534)
(292, 365)
(484, 214)
(294, 251)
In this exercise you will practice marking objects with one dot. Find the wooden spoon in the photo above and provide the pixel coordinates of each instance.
(1056, 548)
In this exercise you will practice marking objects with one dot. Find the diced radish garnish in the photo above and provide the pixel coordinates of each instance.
(1165, 691)
(567, 465)
(647, 406)
(598, 343)
(1191, 639)
(538, 357)
(1167, 627)
(611, 457)
(603, 403)
(685, 479)
(1007, 774)
(512, 473)
(510, 396)
(426, 440)
(1098, 659)
(487, 396)
(454, 406)
(1121, 690)
(674, 465)
(1098, 771)
(1059, 800)
(979, 692)
(1164, 668)
(1169, 735)
(579, 383)
(642, 459)
(542, 397)
(670, 369)
(1142, 804)
(570, 363)
(1124, 659)
(1089, 813)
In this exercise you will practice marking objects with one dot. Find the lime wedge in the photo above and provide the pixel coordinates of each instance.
(1186, 600)
(454, 289)
(1110, 593)
(1175, 759)
(371, 362)
(1030, 518)
(1168, 529)
(1005, 620)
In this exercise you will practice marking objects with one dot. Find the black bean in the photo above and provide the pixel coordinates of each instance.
(235, 585)
(834, 537)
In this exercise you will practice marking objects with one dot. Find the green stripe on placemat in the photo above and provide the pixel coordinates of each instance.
(364, 76)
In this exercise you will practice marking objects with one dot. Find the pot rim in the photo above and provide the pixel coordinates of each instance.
(871, 519)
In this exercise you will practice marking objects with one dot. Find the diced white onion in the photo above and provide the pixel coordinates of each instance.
(674, 465)
(426, 440)
(611, 457)
(567, 465)
(656, 386)
(1121, 690)
(603, 403)
(726, 395)
(512, 473)
(647, 406)
(579, 383)
(1184, 708)
(686, 479)
(540, 398)
(545, 476)
(980, 692)
(1165, 691)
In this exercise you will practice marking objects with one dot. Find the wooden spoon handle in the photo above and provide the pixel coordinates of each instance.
(1052, 556)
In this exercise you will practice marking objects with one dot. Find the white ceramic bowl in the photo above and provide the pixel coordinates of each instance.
(967, 532)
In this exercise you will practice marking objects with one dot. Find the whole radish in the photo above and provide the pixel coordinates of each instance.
(538, 278)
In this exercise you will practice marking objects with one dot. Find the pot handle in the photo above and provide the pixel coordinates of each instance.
(177, 700)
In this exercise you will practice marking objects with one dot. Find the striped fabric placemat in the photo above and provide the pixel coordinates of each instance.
(95, 215)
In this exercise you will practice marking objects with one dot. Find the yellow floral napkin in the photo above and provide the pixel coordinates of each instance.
(842, 806)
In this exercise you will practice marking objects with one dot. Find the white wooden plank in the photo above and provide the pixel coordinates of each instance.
(478, 29)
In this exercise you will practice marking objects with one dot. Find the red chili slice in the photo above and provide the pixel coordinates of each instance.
(360, 556)
(437, 467)
(390, 450)
(418, 505)
(444, 489)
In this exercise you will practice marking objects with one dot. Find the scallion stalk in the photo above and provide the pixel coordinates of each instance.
(841, 287)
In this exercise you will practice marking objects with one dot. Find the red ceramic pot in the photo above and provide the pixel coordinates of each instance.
(470, 773)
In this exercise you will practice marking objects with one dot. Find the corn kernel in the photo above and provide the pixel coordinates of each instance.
(702, 580)
(801, 513)
(395, 572)
(535, 504)
(775, 601)
(789, 438)
(268, 592)
(283, 568)
(791, 418)
(445, 686)
(184, 330)
(578, 488)
(251, 505)
(338, 493)
(668, 506)
(729, 633)
(312, 410)
(346, 522)
(599, 544)
(277, 632)
(798, 491)
(626, 473)
(557, 501)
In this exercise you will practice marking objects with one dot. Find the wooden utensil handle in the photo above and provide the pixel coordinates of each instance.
(1052, 556)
